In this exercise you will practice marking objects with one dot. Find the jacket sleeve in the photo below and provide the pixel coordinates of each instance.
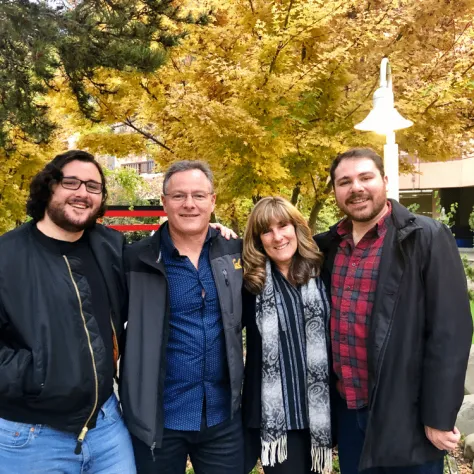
(16, 366)
(448, 332)
(124, 313)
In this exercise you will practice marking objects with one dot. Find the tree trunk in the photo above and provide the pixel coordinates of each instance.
(295, 194)
(234, 225)
(317, 206)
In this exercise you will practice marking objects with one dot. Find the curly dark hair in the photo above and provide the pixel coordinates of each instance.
(41, 186)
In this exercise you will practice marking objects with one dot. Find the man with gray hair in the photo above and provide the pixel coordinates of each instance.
(182, 369)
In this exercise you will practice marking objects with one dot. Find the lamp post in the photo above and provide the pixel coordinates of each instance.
(385, 119)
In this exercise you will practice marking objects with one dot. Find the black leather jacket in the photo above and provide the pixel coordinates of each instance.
(52, 357)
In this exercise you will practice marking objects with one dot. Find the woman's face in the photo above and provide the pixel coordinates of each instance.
(280, 244)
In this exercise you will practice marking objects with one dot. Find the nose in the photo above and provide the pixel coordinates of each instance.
(189, 201)
(277, 236)
(357, 186)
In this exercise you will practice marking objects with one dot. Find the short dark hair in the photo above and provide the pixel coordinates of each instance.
(357, 153)
(41, 186)
(186, 165)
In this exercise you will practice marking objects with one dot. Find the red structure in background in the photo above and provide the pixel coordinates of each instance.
(138, 211)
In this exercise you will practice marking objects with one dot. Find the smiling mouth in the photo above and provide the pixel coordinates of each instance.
(281, 247)
(358, 201)
(78, 205)
(189, 215)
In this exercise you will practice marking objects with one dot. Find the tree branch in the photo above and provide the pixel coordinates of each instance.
(287, 18)
(251, 6)
(272, 64)
(467, 69)
(371, 91)
(280, 46)
(435, 67)
(428, 107)
(146, 88)
(128, 122)
(314, 184)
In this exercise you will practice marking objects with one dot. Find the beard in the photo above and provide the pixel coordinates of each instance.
(57, 213)
(365, 215)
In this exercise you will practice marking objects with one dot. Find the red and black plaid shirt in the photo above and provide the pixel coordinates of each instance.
(353, 285)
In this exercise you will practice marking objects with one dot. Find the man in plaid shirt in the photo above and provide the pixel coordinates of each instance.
(400, 326)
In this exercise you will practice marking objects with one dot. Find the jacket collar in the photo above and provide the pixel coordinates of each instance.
(151, 254)
(102, 250)
(403, 220)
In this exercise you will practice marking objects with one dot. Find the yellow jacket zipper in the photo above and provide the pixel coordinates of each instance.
(82, 435)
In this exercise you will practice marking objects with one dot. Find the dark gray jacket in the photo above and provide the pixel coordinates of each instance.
(143, 364)
(419, 339)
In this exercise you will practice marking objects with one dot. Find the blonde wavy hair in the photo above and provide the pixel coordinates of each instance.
(307, 259)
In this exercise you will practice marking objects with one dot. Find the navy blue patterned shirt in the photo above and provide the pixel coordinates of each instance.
(197, 372)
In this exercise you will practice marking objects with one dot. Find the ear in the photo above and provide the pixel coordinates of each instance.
(163, 202)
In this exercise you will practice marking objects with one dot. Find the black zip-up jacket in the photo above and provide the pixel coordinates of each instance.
(143, 365)
(419, 339)
(52, 357)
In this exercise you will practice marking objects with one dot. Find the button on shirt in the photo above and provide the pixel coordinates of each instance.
(197, 370)
(353, 287)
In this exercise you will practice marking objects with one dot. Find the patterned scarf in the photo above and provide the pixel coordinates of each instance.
(273, 429)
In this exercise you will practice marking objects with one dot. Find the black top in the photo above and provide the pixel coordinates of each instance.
(47, 375)
(292, 349)
(86, 265)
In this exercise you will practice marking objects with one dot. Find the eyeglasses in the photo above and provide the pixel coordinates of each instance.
(199, 196)
(75, 183)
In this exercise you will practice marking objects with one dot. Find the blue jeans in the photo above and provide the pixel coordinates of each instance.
(39, 449)
(352, 425)
(213, 450)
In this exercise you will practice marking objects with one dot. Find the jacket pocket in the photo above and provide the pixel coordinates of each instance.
(225, 275)
(235, 357)
(35, 377)
(228, 280)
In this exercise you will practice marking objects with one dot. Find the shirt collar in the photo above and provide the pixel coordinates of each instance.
(344, 228)
(167, 241)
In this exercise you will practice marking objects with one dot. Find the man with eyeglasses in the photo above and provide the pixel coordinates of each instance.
(62, 297)
(182, 368)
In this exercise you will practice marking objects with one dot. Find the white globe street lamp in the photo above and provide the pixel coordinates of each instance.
(385, 119)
